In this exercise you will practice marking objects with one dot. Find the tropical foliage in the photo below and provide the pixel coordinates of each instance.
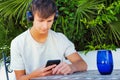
(89, 24)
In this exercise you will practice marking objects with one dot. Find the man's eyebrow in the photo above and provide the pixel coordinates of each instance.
(41, 19)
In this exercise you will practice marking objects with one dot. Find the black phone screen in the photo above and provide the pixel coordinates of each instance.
(51, 62)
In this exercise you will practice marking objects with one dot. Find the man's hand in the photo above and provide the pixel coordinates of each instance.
(63, 68)
(43, 71)
(40, 72)
(78, 64)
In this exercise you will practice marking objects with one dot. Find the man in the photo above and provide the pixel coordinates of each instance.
(32, 49)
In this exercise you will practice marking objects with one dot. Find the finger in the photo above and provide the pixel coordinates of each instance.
(61, 69)
(53, 69)
(61, 65)
(65, 72)
(47, 73)
(50, 67)
(65, 69)
(56, 68)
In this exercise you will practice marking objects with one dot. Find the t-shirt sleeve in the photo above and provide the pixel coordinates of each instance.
(16, 59)
(69, 47)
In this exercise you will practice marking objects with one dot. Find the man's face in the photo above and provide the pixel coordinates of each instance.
(42, 25)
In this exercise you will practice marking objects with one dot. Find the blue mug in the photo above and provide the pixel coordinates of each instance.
(104, 62)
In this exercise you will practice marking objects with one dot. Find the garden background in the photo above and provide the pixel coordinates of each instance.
(89, 24)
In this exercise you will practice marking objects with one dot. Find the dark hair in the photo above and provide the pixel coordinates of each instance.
(45, 8)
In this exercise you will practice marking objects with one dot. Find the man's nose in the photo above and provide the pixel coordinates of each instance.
(45, 25)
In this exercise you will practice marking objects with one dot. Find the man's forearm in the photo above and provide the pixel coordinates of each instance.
(79, 66)
(24, 77)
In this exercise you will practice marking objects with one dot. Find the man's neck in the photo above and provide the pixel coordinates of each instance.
(40, 38)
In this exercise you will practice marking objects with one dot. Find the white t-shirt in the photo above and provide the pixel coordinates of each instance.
(28, 55)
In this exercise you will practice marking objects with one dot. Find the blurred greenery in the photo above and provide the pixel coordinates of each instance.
(89, 24)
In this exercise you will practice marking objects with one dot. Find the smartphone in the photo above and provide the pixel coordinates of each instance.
(51, 62)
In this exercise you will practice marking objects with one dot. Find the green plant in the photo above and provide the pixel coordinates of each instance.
(89, 24)
(8, 31)
(101, 22)
(10, 25)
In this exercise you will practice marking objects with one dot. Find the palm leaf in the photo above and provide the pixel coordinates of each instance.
(14, 8)
(115, 29)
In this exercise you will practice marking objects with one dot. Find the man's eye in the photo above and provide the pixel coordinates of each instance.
(50, 21)
(41, 20)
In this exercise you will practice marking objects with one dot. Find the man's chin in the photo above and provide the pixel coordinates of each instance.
(44, 32)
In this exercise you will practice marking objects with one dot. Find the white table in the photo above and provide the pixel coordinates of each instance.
(88, 75)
